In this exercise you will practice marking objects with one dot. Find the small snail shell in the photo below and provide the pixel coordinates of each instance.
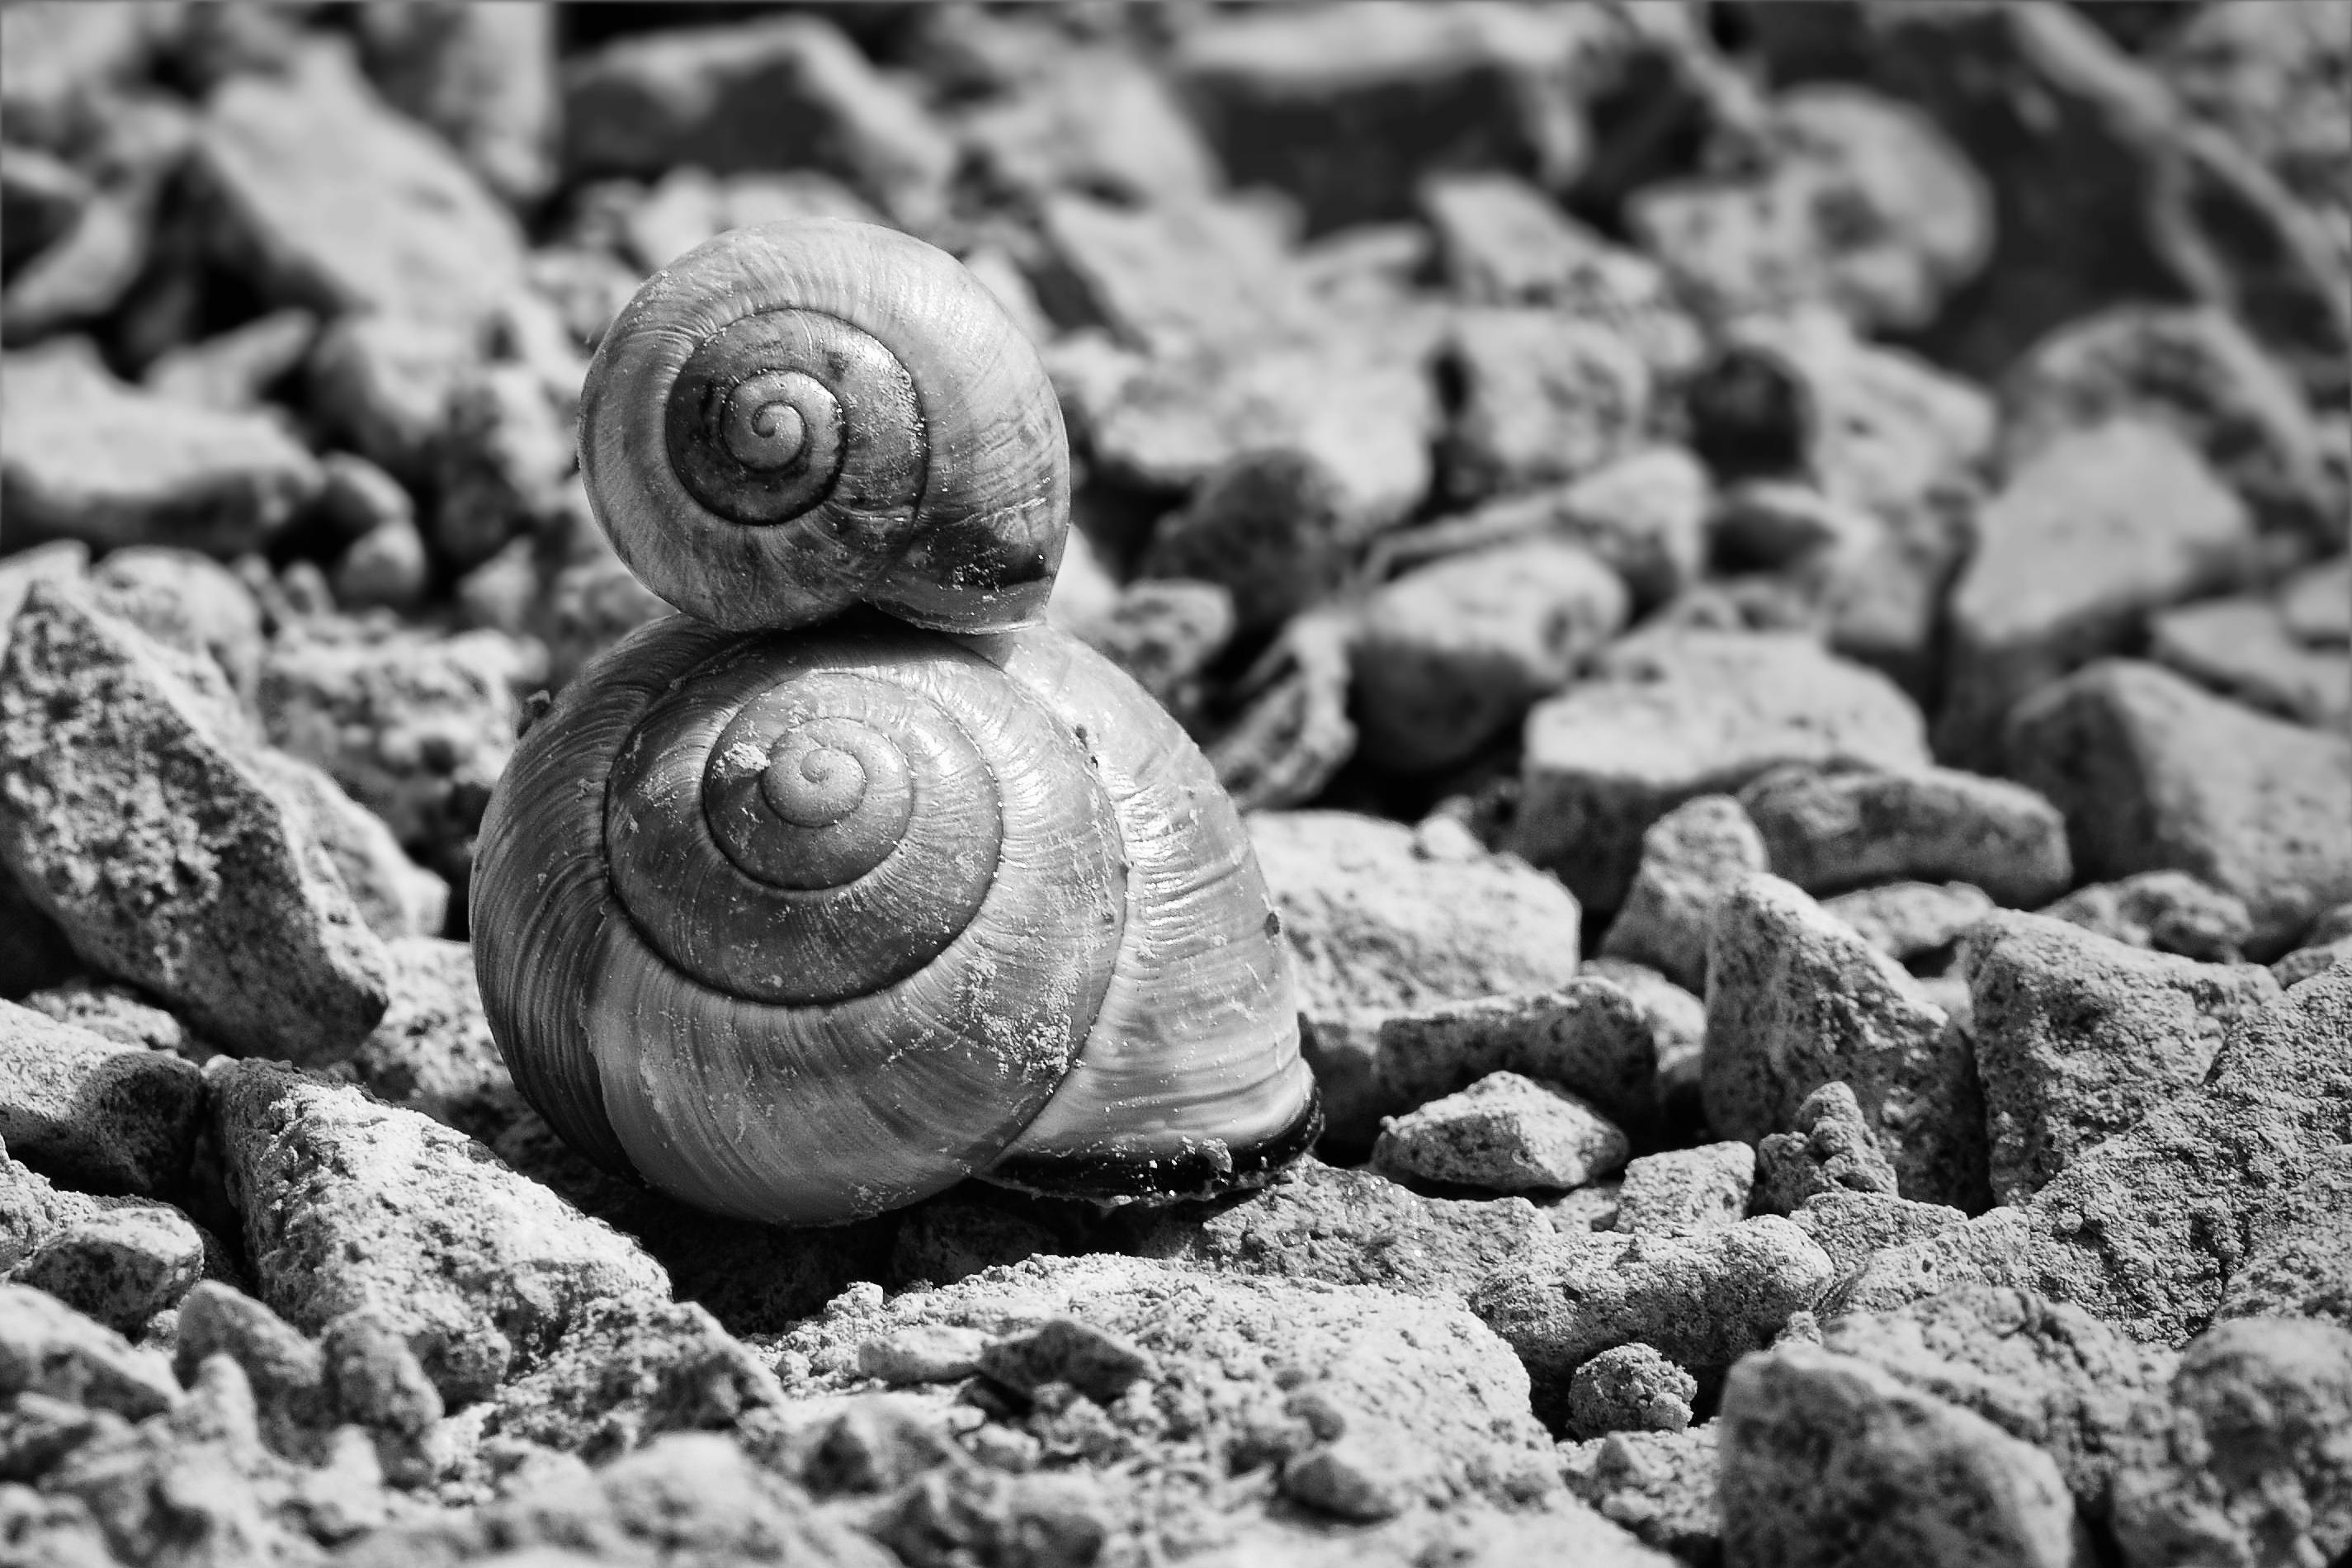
(793, 419)
(802, 924)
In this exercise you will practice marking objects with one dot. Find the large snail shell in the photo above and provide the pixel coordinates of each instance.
(801, 927)
(790, 420)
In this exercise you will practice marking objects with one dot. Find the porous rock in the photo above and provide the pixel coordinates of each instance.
(1659, 1485)
(1374, 924)
(121, 1266)
(1691, 856)
(1170, 278)
(47, 1347)
(1827, 830)
(2298, 1261)
(482, 76)
(1828, 1148)
(131, 810)
(434, 1051)
(1675, 714)
(1702, 1299)
(1629, 1388)
(1828, 1459)
(481, 1270)
(1271, 528)
(99, 1114)
(2154, 774)
(2170, 911)
(497, 463)
(2077, 1038)
(1682, 1190)
(2096, 529)
(119, 1014)
(187, 601)
(1908, 921)
(1544, 397)
(1851, 1226)
(1796, 1000)
(89, 458)
(1503, 1133)
(2246, 650)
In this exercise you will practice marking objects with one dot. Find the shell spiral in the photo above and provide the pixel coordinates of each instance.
(804, 923)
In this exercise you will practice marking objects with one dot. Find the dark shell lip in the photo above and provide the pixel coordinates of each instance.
(1196, 1174)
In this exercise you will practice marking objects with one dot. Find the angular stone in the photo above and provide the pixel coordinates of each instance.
(2154, 774)
(2096, 529)
(395, 896)
(120, 1267)
(110, 1117)
(1100, 1365)
(1667, 716)
(1099, 120)
(119, 1014)
(1452, 655)
(238, 368)
(89, 458)
(1828, 1459)
(2318, 602)
(1354, 1476)
(1829, 1149)
(337, 203)
(132, 812)
(47, 1347)
(2078, 1038)
(1911, 919)
(383, 384)
(2299, 1261)
(187, 601)
(434, 1051)
(2253, 1467)
(1691, 856)
(1374, 924)
(1702, 1301)
(2246, 650)
(1659, 1485)
(931, 1353)
(1828, 830)
(1631, 1388)
(482, 76)
(1684, 1190)
(286, 1371)
(1543, 398)
(1272, 528)
(2170, 912)
(1167, 279)
(1796, 1000)
(1852, 1226)
(1164, 633)
(1343, 1227)
(481, 1270)
(1505, 1133)
(729, 99)
(641, 1367)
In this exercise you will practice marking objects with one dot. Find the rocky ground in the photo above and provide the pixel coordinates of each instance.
(1774, 577)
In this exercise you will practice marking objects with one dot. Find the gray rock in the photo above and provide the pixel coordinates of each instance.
(1164, 633)
(132, 811)
(1629, 1388)
(1828, 1459)
(2298, 1260)
(1796, 1000)
(1829, 830)
(929, 1352)
(1676, 1021)
(383, 384)
(1545, 397)
(1684, 1190)
(94, 1112)
(1659, 1485)
(85, 275)
(1702, 1299)
(1099, 1365)
(2318, 602)
(2246, 650)
(481, 1270)
(499, 462)
(1672, 715)
(1907, 921)
(120, 1267)
(2099, 528)
(2136, 1231)
(1355, 1477)
(47, 1347)
(387, 567)
(1343, 1227)
(1094, 120)
(1170, 278)
(287, 1371)
(1691, 856)
(1829, 1149)
(1270, 528)
(336, 204)
(374, 1379)
(90, 459)
(395, 896)
(1852, 1224)
(121, 1015)
(1373, 924)
(1860, 203)
(2045, 1373)
(1455, 653)
(2170, 912)
(1505, 1133)
(2078, 1038)
(236, 369)
(724, 97)
(484, 77)
(187, 601)
(2253, 1467)
(1789, 527)
(2154, 774)
(434, 1052)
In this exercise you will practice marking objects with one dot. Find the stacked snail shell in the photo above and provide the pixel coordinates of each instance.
(852, 881)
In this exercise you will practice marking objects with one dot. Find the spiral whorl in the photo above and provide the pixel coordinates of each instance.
(793, 419)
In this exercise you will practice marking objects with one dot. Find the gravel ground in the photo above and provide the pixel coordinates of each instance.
(1773, 579)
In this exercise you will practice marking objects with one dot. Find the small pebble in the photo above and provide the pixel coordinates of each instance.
(926, 1353)
(1354, 1476)
(1629, 1388)
(1505, 1133)
(1099, 1365)
(121, 1267)
(1684, 1190)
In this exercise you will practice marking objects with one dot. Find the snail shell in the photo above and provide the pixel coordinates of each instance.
(799, 922)
(794, 419)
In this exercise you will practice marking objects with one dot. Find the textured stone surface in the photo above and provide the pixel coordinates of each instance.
(1659, 1485)
(1852, 1224)
(2246, 650)
(1796, 1000)
(1629, 1388)
(1545, 397)
(2077, 1038)
(1907, 921)
(433, 1052)
(2154, 774)
(351, 1203)
(120, 1267)
(1683, 1190)
(99, 1114)
(1505, 1133)
(2170, 912)
(1673, 715)
(1828, 1459)
(1828, 1148)
(47, 1347)
(132, 812)
(1691, 856)
(1827, 831)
